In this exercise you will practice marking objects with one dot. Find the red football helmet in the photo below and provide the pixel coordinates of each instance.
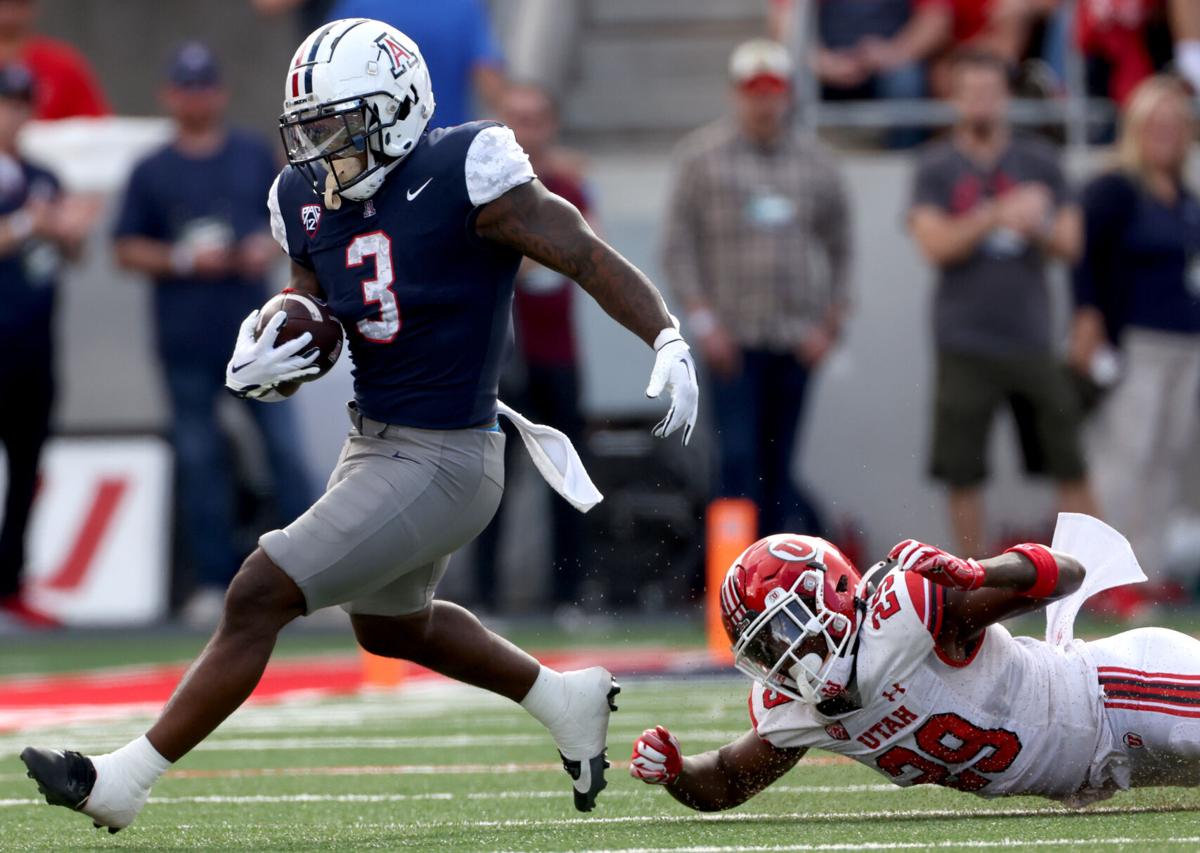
(790, 606)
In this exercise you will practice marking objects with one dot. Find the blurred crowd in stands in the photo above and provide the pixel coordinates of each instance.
(904, 48)
(756, 253)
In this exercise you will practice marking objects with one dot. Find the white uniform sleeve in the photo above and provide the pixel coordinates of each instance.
(784, 722)
(496, 163)
(278, 229)
(903, 619)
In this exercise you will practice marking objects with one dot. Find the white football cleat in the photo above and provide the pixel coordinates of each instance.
(581, 733)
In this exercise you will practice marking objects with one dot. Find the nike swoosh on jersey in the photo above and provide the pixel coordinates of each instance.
(411, 194)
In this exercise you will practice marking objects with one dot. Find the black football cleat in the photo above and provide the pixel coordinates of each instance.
(64, 777)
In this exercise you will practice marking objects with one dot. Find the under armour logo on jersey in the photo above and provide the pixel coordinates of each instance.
(310, 217)
(896, 690)
(398, 55)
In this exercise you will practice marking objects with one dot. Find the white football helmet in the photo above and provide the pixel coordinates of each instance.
(355, 86)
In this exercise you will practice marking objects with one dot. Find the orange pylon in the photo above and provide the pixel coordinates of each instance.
(732, 527)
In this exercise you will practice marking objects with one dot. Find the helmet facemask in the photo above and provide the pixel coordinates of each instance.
(338, 145)
(792, 645)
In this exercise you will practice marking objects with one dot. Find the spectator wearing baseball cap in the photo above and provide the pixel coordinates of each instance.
(194, 220)
(757, 250)
(65, 86)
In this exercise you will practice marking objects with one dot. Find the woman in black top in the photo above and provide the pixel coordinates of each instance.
(1137, 291)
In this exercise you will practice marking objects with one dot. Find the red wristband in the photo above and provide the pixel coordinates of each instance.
(1045, 564)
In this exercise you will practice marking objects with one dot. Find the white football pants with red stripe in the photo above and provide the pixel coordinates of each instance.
(1151, 683)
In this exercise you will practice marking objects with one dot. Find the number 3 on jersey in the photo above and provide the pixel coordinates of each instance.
(378, 290)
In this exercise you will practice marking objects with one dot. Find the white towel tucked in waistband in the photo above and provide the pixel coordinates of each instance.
(556, 460)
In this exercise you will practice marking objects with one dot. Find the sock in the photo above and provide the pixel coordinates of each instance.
(123, 780)
(546, 700)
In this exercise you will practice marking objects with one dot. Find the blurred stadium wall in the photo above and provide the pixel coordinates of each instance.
(641, 77)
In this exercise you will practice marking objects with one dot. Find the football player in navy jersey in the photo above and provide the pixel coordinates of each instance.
(414, 239)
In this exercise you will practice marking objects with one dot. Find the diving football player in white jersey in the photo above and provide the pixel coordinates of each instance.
(908, 671)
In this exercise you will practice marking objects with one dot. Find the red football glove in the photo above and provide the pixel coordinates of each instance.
(937, 565)
(656, 758)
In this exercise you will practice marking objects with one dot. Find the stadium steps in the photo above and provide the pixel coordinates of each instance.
(654, 67)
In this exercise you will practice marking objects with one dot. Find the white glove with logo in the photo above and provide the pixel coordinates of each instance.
(257, 365)
(675, 371)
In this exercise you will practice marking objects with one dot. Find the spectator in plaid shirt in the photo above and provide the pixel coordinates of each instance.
(757, 249)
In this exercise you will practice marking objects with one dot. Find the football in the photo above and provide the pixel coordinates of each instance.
(305, 313)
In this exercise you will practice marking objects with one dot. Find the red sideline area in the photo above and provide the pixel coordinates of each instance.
(29, 700)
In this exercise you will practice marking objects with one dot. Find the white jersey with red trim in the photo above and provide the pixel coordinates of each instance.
(1018, 717)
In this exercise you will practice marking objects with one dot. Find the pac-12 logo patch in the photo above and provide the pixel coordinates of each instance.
(310, 216)
(1133, 740)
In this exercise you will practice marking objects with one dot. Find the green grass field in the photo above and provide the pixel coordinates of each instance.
(439, 768)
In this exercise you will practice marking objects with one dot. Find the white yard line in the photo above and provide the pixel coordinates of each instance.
(217, 743)
(801, 817)
(737, 817)
(1003, 843)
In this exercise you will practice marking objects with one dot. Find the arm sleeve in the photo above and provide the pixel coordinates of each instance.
(278, 227)
(682, 234)
(138, 216)
(496, 163)
(782, 722)
(905, 613)
(279, 231)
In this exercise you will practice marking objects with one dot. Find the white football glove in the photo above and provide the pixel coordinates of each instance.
(257, 365)
(675, 371)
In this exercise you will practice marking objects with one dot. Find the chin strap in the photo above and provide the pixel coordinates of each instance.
(843, 671)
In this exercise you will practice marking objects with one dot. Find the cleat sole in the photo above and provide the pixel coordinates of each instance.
(585, 801)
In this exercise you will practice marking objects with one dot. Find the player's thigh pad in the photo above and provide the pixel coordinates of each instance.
(1151, 683)
(395, 506)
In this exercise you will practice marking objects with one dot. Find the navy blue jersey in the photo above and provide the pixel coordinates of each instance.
(28, 271)
(1141, 260)
(426, 304)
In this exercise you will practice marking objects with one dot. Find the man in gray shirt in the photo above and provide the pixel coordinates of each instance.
(989, 211)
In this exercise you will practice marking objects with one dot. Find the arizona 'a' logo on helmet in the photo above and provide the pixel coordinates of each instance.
(789, 606)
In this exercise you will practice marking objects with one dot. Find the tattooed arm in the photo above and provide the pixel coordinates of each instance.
(548, 229)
